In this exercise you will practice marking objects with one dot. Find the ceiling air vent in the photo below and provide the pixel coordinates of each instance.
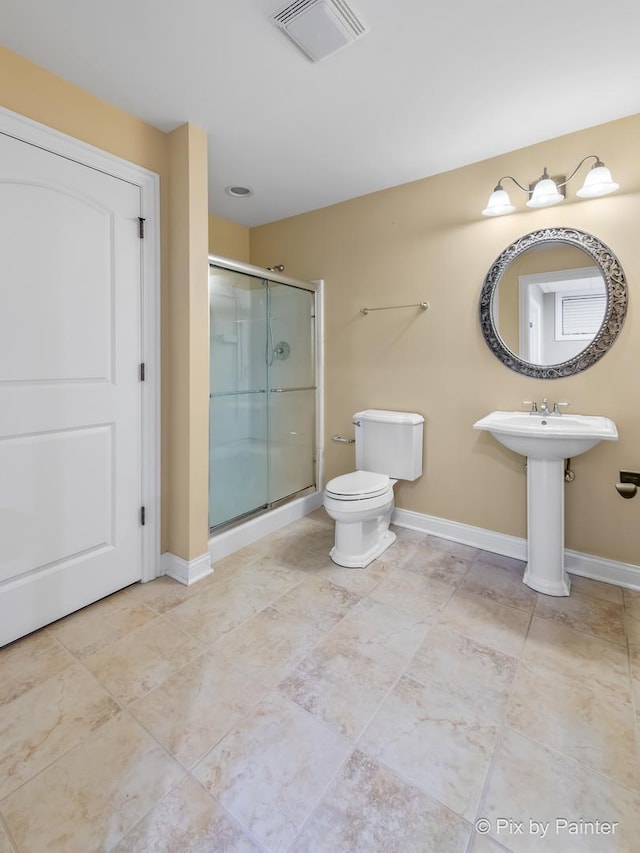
(319, 27)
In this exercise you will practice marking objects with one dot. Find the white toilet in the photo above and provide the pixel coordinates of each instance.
(388, 449)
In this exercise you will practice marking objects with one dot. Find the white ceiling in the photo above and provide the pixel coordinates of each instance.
(429, 88)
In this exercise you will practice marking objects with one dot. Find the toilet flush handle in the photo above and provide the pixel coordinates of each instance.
(344, 440)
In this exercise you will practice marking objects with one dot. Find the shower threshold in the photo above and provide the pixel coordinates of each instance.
(249, 528)
(261, 510)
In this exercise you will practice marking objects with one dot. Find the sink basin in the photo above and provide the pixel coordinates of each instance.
(547, 441)
(548, 437)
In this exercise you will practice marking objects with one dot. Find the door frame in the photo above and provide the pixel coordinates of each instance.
(32, 132)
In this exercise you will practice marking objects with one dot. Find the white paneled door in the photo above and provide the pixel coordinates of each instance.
(70, 391)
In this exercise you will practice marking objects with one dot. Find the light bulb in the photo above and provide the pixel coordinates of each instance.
(545, 193)
(499, 203)
(597, 182)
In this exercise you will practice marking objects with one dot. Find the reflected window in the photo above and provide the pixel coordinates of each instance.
(559, 311)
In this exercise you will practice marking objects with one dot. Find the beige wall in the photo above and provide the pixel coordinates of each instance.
(187, 345)
(228, 239)
(180, 160)
(427, 240)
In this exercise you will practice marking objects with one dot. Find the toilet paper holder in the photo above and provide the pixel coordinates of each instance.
(629, 484)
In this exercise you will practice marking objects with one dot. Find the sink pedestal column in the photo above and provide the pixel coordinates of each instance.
(545, 570)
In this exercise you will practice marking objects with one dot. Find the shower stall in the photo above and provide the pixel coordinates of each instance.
(263, 387)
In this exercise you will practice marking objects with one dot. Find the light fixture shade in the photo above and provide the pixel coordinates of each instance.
(545, 193)
(499, 203)
(597, 182)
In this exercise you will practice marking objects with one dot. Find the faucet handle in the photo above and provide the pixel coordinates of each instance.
(556, 410)
(533, 404)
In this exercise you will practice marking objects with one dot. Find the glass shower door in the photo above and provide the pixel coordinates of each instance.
(292, 395)
(238, 412)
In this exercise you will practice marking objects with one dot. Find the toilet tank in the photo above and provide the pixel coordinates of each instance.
(389, 443)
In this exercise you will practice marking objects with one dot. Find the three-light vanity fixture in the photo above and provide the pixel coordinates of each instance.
(547, 191)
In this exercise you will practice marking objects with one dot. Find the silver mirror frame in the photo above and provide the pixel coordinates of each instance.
(617, 299)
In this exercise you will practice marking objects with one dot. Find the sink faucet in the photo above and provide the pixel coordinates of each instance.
(544, 408)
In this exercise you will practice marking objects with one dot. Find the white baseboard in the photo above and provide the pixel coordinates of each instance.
(225, 543)
(185, 571)
(577, 563)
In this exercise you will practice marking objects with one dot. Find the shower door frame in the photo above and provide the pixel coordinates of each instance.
(314, 287)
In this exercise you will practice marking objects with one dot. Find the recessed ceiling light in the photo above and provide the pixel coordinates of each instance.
(239, 192)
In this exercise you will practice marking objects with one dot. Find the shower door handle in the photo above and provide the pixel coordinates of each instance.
(237, 393)
(301, 388)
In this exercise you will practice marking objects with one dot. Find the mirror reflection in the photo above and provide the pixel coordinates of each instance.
(550, 303)
(553, 302)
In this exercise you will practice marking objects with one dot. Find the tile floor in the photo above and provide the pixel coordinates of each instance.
(287, 704)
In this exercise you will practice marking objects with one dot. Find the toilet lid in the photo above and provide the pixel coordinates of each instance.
(358, 484)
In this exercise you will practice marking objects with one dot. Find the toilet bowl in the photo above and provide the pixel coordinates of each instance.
(388, 449)
(361, 504)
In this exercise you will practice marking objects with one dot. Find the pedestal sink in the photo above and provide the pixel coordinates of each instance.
(546, 441)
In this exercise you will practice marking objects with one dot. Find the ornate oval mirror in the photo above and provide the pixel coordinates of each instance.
(553, 303)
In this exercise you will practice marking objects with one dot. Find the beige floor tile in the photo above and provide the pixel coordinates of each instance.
(320, 515)
(359, 581)
(501, 561)
(318, 601)
(163, 593)
(304, 545)
(436, 741)
(232, 562)
(194, 708)
(593, 616)
(474, 673)
(408, 543)
(596, 589)
(269, 645)
(342, 684)
(266, 574)
(484, 844)
(272, 769)
(503, 586)
(47, 721)
(415, 593)
(486, 622)
(632, 629)
(531, 782)
(451, 548)
(5, 844)
(631, 598)
(134, 665)
(579, 657)
(373, 624)
(441, 558)
(96, 793)
(97, 626)
(29, 662)
(231, 599)
(448, 568)
(370, 810)
(634, 659)
(594, 727)
(187, 820)
(214, 612)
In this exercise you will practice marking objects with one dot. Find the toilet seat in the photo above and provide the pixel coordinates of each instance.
(358, 486)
